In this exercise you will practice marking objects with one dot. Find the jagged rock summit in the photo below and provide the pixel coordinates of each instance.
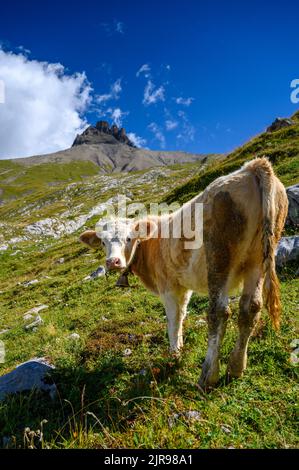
(102, 133)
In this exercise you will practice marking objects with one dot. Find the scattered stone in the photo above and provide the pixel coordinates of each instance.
(293, 212)
(3, 332)
(127, 352)
(60, 261)
(37, 322)
(3, 247)
(100, 272)
(200, 322)
(36, 310)
(28, 376)
(74, 336)
(30, 283)
(294, 344)
(16, 253)
(287, 250)
(191, 416)
(226, 428)
(105, 319)
(294, 359)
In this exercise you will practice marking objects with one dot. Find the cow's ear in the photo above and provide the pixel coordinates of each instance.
(144, 229)
(90, 239)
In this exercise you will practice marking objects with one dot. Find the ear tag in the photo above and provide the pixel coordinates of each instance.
(123, 281)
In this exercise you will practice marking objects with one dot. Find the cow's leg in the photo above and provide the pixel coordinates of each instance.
(176, 310)
(217, 320)
(250, 307)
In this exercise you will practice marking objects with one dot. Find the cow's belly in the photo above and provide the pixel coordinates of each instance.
(193, 276)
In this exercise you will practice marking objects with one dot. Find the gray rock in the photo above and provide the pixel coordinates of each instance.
(293, 197)
(30, 283)
(100, 272)
(37, 322)
(3, 332)
(287, 250)
(74, 336)
(280, 123)
(36, 310)
(28, 376)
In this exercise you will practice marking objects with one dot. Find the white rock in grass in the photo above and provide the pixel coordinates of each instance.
(74, 336)
(30, 283)
(28, 317)
(294, 359)
(294, 344)
(3, 332)
(127, 352)
(36, 310)
(37, 322)
(200, 322)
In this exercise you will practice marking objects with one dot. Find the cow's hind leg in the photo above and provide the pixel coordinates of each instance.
(217, 320)
(250, 307)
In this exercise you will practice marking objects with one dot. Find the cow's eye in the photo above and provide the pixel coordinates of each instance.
(128, 239)
(103, 243)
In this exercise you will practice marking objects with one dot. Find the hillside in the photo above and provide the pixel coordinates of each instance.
(116, 384)
(280, 146)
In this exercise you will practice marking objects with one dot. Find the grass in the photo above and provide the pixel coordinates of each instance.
(107, 398)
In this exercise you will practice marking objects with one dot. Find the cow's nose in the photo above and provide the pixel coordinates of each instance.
(113, 263)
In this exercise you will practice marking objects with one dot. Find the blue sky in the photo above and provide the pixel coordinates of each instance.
(216, 73)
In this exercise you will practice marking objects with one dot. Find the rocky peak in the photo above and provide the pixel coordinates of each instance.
(102, 133)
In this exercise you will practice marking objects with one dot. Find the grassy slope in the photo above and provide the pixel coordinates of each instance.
(132, 399)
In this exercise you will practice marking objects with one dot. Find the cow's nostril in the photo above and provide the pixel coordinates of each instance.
(117, 261)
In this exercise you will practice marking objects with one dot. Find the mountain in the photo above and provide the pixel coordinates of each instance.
(110, 149)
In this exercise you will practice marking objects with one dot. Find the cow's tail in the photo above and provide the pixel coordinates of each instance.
(263, 170)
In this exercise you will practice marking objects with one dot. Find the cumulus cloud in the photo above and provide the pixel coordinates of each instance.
(152, 94)
(115, 90)
(43, 106)
(184, 101)
(144, 69)
(170, 124)
(159, 136)
(136, 139)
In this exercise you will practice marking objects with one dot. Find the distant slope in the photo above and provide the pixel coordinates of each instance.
(280, 146)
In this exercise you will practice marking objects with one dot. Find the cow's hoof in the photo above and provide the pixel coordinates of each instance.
(209, 378)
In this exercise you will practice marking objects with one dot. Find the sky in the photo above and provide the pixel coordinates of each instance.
(188, 75)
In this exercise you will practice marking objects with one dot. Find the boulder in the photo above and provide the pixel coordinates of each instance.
(293, 197)
(31, 375)
(280, 123)
(287, 250)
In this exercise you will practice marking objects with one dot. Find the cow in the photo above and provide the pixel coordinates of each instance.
(242, 220)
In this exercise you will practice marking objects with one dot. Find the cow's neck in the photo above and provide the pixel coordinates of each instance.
(146, 263)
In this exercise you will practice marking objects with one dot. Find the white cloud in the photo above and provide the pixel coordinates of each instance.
(117, 115)
(145, 69)
(43, 107)
(115, 90)
(119, 27)
(184, 101)
(187, 130)
(170, 124)
(152, 94)
(136, 139)
(155, 129)
(115, 27)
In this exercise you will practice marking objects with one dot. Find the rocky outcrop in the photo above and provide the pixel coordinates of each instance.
(280, 123)
(287, 250)
(101, 133)
(293, 197)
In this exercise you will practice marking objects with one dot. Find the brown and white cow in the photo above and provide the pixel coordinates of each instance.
(242, 219)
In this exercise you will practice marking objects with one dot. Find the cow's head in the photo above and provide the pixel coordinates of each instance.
(119, 238)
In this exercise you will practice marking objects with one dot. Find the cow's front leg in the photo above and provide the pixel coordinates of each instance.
(176, 310)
